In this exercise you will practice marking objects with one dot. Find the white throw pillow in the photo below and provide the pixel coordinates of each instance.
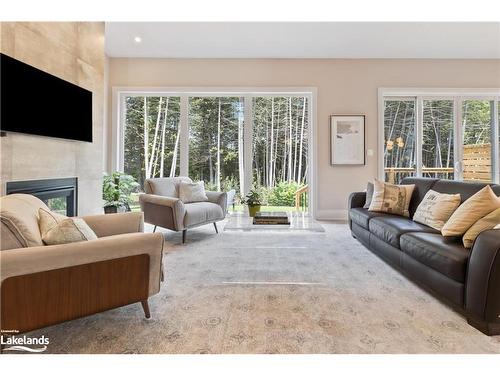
(436, 208)
(190, 192)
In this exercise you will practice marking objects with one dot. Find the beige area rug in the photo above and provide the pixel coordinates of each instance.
(276, 293)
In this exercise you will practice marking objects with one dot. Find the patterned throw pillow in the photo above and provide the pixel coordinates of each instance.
(436, 208)
(58, 229)
(392, 199)
(490, 221)
(190, 192)
(473, 209)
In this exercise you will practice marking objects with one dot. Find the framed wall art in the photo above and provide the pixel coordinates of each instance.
(347, 140)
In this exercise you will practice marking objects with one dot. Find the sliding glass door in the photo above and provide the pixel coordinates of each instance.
(399, 139)
(438, 139)
(446, 137)
(477, 121)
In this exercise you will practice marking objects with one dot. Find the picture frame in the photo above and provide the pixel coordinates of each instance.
(347, 140)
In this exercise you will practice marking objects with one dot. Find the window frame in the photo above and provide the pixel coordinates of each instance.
(458, 96)
(248, 93)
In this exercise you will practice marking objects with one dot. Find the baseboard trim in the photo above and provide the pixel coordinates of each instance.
(331, 214)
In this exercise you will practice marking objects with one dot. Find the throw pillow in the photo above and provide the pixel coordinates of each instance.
(490, 221)
(58, 229)
(392, 199)
(190, 192)
(473, 209)
(436, 208)
(369, 195)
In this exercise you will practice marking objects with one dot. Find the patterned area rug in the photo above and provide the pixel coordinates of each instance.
(240, 292)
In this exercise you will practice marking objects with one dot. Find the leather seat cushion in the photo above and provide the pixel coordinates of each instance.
(362, 216)
(201, 213)
(390, 228)
(433, 250)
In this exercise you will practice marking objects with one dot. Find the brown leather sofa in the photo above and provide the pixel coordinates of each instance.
(468, 279)
(44, 285)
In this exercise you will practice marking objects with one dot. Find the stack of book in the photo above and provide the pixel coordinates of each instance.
(271, 218)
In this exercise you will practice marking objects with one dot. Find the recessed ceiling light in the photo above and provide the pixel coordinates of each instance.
(137, 39)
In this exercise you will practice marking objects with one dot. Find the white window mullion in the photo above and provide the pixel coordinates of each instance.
(458, 151)
(247, 143)
(495, 152)
(419, 115)
(184, 136)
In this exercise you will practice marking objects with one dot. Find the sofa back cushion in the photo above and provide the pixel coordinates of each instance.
(422, 186)
(465, 189)
(19, 213)
(165, 186)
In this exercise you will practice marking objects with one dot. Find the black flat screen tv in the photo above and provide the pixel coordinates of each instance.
(36, 102)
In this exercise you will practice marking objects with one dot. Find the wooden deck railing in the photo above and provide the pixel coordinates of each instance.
(476, 165)
(303, 190)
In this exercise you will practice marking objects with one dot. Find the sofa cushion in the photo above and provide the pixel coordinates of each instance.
(390, 228)
(479, 205)
(490, 221)
(392, 199)
(422, 186)
(19, 212)
(165, 186)
(436, 208)
(201, 213)
(8, 239)
(190, 192)
(362, 216)
(433, 250)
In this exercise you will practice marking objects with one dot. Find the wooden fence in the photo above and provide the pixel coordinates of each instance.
(477, 162)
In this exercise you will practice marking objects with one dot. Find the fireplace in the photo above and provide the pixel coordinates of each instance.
(60, 194)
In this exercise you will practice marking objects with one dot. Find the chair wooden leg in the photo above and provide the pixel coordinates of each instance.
(154, 229)
(184, 236)
(215, 226)
(145, 307)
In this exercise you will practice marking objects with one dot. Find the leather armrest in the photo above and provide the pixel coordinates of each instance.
(219, 198)
(27, 260)
(482, 297)
(112, 224)
(166, 212)
(357, 199)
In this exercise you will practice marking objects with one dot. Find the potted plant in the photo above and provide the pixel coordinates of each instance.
(252, 200)
(116, 190)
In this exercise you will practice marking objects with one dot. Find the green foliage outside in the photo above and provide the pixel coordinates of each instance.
(117, 189)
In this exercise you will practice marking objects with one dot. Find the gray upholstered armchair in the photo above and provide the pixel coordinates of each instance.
(162, 207)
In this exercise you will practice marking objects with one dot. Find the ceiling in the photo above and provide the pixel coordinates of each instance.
(304, 39)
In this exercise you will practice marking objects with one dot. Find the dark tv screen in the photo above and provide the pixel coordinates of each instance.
(36, 102)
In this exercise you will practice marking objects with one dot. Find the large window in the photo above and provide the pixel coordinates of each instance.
(151, 137)
(399, 140)
(448, 136)
(231, 141)
(215, 137)
(437, 138)
(279, 146)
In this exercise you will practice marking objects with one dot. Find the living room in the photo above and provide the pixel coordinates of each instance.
(253, 187)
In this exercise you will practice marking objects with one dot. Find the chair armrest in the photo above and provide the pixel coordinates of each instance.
(482, 297)
(28, 260)
(166, 212)
(219, 198)
(113, 224)
(357, 199)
